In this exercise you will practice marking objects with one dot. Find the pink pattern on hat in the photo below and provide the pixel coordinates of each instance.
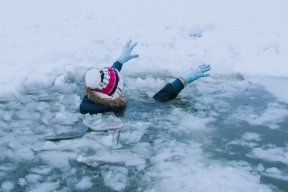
(111, 83)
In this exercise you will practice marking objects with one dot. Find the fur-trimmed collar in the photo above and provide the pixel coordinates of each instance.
(98, 98)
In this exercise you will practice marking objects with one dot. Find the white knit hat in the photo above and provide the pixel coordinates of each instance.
(93, 78)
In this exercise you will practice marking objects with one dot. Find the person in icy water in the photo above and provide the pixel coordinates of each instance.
(103, 92)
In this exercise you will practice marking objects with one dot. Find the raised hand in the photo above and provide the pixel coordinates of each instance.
(194, 74)
(126, 52)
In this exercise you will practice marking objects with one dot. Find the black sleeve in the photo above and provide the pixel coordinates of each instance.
(167, 93)
(117, 65)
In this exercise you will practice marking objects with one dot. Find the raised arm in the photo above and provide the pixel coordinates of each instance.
(171, 90)
(125, 56)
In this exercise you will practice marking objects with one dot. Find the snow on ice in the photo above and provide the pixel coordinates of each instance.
(226, 132)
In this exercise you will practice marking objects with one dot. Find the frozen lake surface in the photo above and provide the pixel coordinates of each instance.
(230, 134)
(226, 132)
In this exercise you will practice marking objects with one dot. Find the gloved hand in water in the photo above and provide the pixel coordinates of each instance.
(194, 74)
(126, 53)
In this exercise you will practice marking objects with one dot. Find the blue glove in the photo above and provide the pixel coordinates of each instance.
(196, 73)
(126, 53)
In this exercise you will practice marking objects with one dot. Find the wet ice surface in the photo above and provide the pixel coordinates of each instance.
(221, 133)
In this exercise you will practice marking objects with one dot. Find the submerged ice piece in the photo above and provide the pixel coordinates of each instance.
(77, 130)
(101, 122)
(115, 177)
(127, 158)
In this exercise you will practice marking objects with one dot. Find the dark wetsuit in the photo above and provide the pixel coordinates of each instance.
(167, 93)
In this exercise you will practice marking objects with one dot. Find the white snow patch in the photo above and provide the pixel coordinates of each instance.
(275, 113)
(197, 30)
(26, 153)
(186, 169)
(273, 170)
(273, 154)
(33, 178)
(260, 167)
(191, 122)
(7, 186)
(84, 184)
(42, 170)
(22, 182)
(249, 136)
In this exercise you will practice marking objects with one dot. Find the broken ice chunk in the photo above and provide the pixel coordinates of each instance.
(42, 170)
(55, 159)
(65, 118)
(115, 177)
(128, 158)
(100, 122)
(143, 148)
(48, 186)
(135, 161)
(84, 184)
(33, 178)
(77, 130)
(61, 136)
(275, 176)
(131, 136)
(25, 153)
(107, 140)
(7, 186)
(134, 133)
(22, 182)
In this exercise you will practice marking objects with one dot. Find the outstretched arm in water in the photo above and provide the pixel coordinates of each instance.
(171, 90)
